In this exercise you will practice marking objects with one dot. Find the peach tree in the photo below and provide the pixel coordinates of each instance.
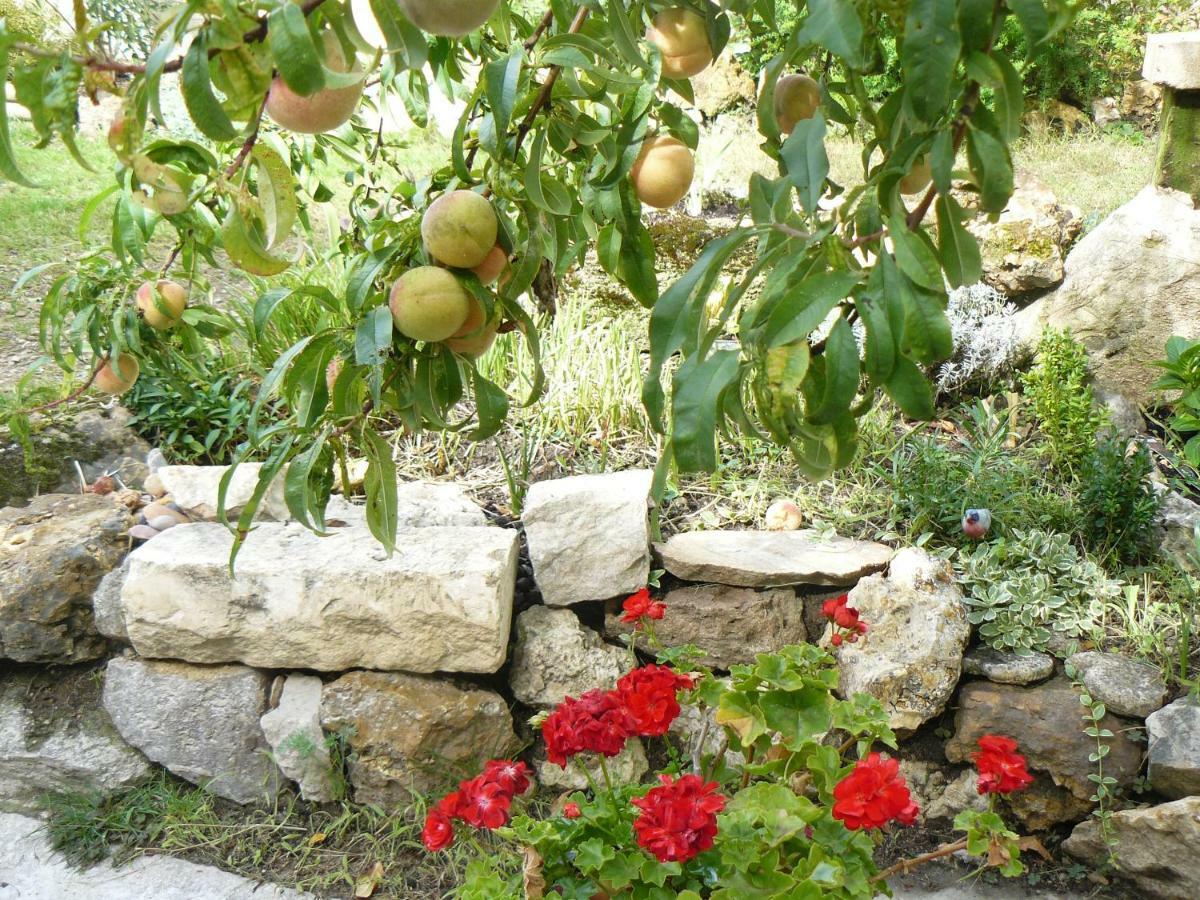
(574, 122)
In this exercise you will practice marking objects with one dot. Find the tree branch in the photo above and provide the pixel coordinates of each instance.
(547, 21)
(74, 395)
(255, 35)
(543, 96)
(248, 146)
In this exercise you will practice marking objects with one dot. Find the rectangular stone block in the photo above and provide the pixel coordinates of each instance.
(1173, 60)
(441, 603)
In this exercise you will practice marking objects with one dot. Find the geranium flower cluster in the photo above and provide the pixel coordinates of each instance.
(1001, 768)
(640, 607)
(873, 794)
(484, 801)
(678, 819)
(644, 704)
(847, 625)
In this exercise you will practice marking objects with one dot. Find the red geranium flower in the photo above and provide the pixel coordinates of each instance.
(873, 795)
(572, 811)
(438, 833)
(679, 819)
(829, 609)
(483, 804)
(1001, 768)
(512, 777)
(847, 625)
(649, 693)
(597, 722)
(641, 605)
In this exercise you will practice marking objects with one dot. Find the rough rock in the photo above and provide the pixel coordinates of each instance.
(555, 656)
(1044, 720)
(33, 870)
(1125, 686)
(1173, 60)
(1177, 523)
(941, 793)
(411, 734)
(1125, 419)
(589, 535)
(428, 504)
(201, 722)
(1025, 249)
(732, 625)
(107, 612)
(1174, 754)
(1008, 668)
(911, 658)
(771, 558)
(723, 86)
(1141, 100)
(1158, 849)
(293, 729)
(56, 738)
(627, 767)
(688, 728)
(53, 553)
(1124, 305)
(1105, 111)
(197, 489)
(441, 602)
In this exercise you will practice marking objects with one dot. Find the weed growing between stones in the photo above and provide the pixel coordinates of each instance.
(801, 810)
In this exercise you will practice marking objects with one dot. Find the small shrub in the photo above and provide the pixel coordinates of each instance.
(200, 418)
(1025, 589)
(1182, 373)
(1062, 402)
(1117, 504)
(934, 481)
(985, 339)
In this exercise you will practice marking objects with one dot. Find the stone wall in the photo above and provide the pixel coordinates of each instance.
(416, 667)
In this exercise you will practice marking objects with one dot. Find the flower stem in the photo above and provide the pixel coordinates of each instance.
(604, 771)
(906, 864)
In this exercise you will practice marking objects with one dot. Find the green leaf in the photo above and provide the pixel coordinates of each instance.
(1035, 21)
(202, 104)
(914, 255)
(880, 351)
(276, 195)
(301, 65)
(910, 390)
(932, 42)
(991, 168)
(802, 308)
(404, 39)
(841, 374)
(8, 159)
(836, 26)
(380, 487)
(798, 716)
(807, 162)
(622, 34)
(491, 406)
(306, 506)
(373, 337)
(502, 77)
(699, 385)
(957, 247)
(246, 247)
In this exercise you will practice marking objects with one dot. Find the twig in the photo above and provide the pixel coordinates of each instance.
(547, 21)
(162, 273)
(906, 864)
(250, 141)
(543, 96)
(255, 35)
(74, 395)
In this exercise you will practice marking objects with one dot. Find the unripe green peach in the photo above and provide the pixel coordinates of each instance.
(429, 304)
(682, 37)
(162, 303)
(117, 378)
(169, 186)
(120, 137)
(797, 97)
(327, 109)
(663, 172)
(493, 265)
(919, 177)
(449, 18)
(460, 229)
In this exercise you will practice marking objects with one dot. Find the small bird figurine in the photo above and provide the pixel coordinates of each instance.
(976, 523)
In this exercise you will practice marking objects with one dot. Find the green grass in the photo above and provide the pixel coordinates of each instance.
(326, 850)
